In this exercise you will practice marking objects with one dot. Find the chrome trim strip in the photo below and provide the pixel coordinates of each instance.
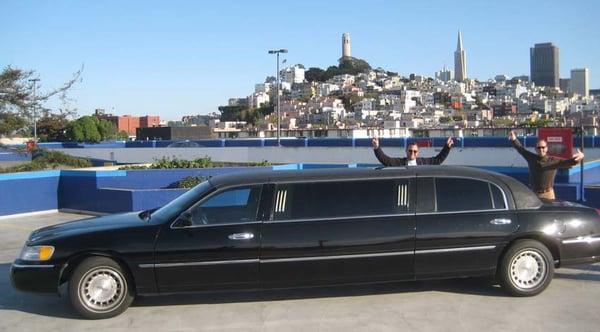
(340, 218)
(217, 225)
(237, 261)
(587, 239)
(318, 258)
(459, 212)
(491, 195)
(283, 201)
(433, 251)
(32, 266)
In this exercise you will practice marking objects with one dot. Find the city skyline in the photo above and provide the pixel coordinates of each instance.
(188, 59)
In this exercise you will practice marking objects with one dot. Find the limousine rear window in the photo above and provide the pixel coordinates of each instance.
(321, 200)
(455, 194)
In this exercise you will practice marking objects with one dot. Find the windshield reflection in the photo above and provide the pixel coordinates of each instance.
(176, 206)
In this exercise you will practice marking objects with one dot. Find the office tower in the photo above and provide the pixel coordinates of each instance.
(580, 82)
(544, 65)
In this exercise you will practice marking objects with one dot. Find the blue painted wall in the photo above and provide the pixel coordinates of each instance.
(28, 192)
(529, 141)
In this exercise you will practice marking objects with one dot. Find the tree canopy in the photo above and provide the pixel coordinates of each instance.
(347, 65)
(17, 98)
(91, 129)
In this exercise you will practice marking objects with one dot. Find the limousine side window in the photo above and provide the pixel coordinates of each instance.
(234, 205)
(342, 199)
(457, 194)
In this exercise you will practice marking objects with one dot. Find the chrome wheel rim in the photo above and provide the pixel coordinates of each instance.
(102, 289)
(528, 269)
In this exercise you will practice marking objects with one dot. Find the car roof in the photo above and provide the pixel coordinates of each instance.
(523, 197)
(325, 174)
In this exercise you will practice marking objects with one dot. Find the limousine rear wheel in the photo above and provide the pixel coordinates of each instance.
(526, 269)
(99, 288)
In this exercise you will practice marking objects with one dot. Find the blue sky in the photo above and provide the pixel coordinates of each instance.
(172, 58)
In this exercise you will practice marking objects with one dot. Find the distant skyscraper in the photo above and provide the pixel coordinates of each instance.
(346, 45)
(460, 61)
(544, 65)
(565, 84)
(444, 75)
(580, 82)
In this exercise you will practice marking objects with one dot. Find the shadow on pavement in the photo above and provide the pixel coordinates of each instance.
(471, 286)
(41, 304)
(580, 272)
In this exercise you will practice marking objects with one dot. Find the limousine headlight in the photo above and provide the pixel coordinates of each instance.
(37, 253)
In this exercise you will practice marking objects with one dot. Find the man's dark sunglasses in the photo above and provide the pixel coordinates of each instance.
(541, 147)
(413, 151)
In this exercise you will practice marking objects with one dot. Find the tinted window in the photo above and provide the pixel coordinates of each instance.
(341, 199)
(455, 194)
(425, 195)
(497, 197)
(233, 205)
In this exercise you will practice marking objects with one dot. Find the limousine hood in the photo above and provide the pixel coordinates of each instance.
(90, 225)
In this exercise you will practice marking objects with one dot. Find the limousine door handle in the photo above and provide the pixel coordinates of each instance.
(500, 221)
(241, 236)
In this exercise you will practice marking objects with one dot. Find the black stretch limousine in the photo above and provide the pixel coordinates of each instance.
(277, 229)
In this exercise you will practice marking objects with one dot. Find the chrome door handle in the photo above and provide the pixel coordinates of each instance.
(241, 236)
(500, 221)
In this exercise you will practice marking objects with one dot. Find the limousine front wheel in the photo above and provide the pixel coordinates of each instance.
(526, 269)
(99, 288)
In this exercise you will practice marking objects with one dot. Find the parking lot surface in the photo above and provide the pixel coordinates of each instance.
(572, 302)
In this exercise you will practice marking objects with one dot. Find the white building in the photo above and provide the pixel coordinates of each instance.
(580, 82)
(258, 99)
(263, 87)
(444, 75)
(293, 74)
(325, 89)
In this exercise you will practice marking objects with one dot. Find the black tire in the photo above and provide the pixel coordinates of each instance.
(100, 288)
(526, 269)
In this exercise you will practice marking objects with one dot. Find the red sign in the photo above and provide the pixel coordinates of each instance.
(560, 141)
(423, 143)
(30, 145)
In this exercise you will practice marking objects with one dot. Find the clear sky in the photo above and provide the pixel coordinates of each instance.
(175, 58)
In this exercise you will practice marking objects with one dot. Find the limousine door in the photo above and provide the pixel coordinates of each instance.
(339, 232)
(214, 244)
(461, 226)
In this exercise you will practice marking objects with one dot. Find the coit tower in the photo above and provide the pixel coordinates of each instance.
(346, 45)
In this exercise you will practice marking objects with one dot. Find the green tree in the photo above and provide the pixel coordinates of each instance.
(16, 91)
(107, 129)
(10, 122)
(315, 74)
(123, 135)
(84, 129)
(52, 127)
(353, 66)
(349, 100)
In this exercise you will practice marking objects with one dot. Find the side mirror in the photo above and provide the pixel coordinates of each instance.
(184, 219)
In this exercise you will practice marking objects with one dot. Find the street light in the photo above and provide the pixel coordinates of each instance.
(283, 50)
(34, 80)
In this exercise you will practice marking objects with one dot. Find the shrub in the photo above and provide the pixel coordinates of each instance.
(44, 159)
(190, 181)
